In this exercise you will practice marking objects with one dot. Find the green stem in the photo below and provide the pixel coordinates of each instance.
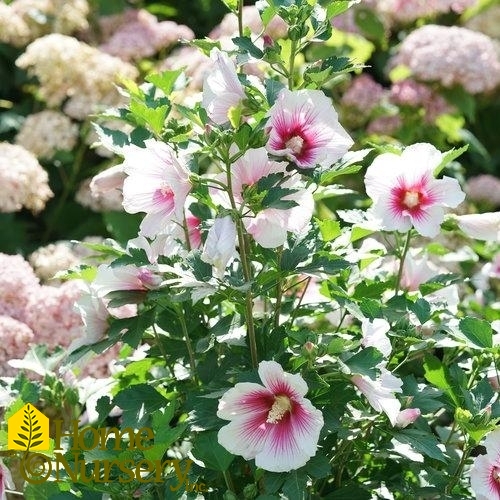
(186, 231)
(296, 309)
(456, 476)
(240, 17)
(245, 263)
(279, 285)
(228, 480)
(402, 262)
(189, 345)
(291, 64)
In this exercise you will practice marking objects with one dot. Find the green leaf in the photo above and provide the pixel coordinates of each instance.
(449, 156)
(438, 374)
(318, 466)
(245, 43)
(138, 402)
(295, 485)
(165, 80)
(350, 492)
(207, 449)
(273, 88)
(422, 442)
(365, 361)
(329, 228)
(421, 308)
(371, 26)
(478, 331)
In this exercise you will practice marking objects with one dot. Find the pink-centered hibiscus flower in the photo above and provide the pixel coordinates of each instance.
(156, 183)
(268, 226)
(485, 473)
(303, 127)
(405, 193)
(380, 392)
(273, 422)
(221, 88)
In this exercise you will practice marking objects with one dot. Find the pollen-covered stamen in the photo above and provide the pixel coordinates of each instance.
(295, 143)
(281, 406)
(495, 474)
(411, 199)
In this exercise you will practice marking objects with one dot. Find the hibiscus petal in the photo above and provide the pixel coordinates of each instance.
(243, 399)
(446, 191)
(290, 443)
(244, 436)
(428, 221)
(279, 382)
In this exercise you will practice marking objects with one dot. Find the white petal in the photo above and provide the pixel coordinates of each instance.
(428, 222)
(278, 381)
(446, 191)
(381, 175)
(420, 159)
(374, 334)
(268, 227)
(492, 444)
(220, 245)
(484, 226)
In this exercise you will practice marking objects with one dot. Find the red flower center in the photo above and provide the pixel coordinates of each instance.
(495, 475)
(281, 406)
(164, 196)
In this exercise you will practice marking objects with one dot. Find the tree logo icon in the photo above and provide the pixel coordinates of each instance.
(28, 430)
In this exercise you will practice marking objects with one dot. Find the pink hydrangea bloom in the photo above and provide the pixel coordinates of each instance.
(138, 34)
(15, 338)
(452, 56)
(273, 422)
(363, 94)
(228, 27)
(51, 314)
(484, 188)
(221, 88)
(411, 93)
(157, 183)
(411, 10)
(303, 127)
(405, 193)
(485, 473)
(17, 284)
(384, 125)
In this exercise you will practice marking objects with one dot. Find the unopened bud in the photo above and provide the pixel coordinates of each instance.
(407, 417)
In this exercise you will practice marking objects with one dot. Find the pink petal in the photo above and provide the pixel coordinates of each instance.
(290, 443)
(245, 398)
(244, 436)
(279, 382)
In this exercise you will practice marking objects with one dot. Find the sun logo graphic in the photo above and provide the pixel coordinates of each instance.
(28, 430)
